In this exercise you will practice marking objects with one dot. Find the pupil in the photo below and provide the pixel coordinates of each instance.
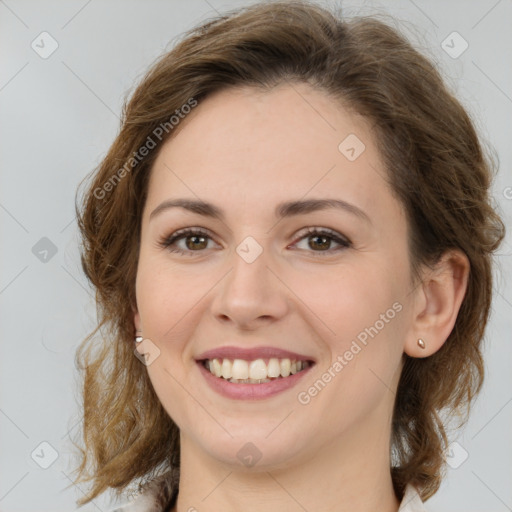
(324, 238)
(195, 237)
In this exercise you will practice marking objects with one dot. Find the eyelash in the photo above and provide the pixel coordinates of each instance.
(167, 242)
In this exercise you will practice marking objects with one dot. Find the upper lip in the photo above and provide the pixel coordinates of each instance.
(250, 354)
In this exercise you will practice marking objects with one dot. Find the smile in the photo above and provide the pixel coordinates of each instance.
(257, 371)
(240, 379)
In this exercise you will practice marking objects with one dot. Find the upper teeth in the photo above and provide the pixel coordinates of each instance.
(241, 369)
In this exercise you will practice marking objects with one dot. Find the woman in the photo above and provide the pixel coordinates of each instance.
(291, 242)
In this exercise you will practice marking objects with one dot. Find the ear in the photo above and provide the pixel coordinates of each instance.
(437, 302)
(136, 319)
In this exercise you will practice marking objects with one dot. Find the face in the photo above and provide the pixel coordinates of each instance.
(326, 286)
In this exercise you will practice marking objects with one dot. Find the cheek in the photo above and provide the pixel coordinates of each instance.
(160, 309)
(362, 317)
(165, 309)
(166, 296)
(351, 303)
(366, 353)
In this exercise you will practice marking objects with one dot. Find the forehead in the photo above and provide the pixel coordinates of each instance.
(253, 148)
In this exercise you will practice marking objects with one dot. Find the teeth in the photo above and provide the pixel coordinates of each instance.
(240, 369)
(227, 367)
(249, 381)
(285, 367)
(216, 367)
(258, 369)
(274, 368)
(254, 372)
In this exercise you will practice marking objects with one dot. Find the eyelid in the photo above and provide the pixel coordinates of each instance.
(183, 233)
(323, 230)
(338, 238)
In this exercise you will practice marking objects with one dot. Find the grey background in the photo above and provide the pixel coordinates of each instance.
(60, 115)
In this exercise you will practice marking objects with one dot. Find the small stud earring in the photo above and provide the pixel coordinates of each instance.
(421, 343)
(138, 339)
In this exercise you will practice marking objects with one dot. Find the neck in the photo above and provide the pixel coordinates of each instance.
(350, 474)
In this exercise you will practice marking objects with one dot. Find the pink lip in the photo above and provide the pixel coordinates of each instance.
(250, 354)
(250, 391)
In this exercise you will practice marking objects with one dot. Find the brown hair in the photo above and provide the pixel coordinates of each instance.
(436, 168)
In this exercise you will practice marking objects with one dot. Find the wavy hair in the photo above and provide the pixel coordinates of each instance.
(436, 166)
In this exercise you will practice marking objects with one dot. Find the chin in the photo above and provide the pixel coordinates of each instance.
(253, 449)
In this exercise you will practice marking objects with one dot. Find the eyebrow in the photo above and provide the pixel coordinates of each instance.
(286, 209)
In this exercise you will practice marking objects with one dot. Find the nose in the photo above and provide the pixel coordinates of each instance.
(251, 294)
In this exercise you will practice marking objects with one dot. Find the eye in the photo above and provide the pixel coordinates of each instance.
(321, 239)
(196, 239)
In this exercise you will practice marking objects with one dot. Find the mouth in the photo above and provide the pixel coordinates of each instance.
(252, 373)
(253, 379)
(256, 371)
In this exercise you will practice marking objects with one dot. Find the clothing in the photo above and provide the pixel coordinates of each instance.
(411, 502)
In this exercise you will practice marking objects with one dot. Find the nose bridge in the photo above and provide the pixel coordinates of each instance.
(250, 290)
(249, 261)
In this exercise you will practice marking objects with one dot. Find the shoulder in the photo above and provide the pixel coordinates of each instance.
(411, 502)
(156, 495)
(145, 502)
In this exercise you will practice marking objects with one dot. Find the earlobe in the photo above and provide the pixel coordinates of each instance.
(138, 338)
(441, 296)
(136, 320)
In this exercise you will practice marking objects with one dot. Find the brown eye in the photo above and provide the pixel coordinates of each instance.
(196, 240)
(321, 240)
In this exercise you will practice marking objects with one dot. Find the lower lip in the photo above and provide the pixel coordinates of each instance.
(251, 391)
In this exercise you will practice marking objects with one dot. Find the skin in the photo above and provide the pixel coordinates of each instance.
(245, 151)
